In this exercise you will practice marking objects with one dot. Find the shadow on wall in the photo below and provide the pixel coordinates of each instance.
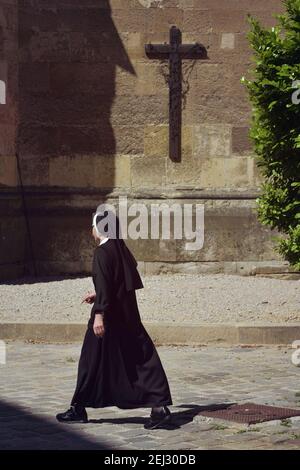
(68, 60)
(68, 55)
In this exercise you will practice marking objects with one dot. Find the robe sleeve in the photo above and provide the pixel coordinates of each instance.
(103, 281)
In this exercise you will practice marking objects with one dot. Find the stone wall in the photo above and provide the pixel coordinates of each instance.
(12, 233)
(93, 123)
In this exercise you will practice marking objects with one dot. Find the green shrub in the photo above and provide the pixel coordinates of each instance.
(275, 127)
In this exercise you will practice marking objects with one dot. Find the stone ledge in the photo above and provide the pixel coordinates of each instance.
(163, 333)
(270, 268)
(170, 192)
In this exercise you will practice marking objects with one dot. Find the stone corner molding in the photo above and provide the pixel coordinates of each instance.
(150, 3)
(2, 92)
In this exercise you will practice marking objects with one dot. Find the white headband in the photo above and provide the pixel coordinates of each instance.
(94, 223)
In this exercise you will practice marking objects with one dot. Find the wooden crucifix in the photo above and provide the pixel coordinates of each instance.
(175, 51)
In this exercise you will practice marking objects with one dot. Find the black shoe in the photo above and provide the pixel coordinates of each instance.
(156, 420)
(73, 415)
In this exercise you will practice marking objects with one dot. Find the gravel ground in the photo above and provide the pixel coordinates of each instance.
(186, 298)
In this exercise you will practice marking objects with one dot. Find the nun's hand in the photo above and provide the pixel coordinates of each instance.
(98, 326)
(89, 298)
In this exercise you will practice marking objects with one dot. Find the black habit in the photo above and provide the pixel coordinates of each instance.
(122, 368)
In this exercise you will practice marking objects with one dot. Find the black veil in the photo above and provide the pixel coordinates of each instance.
(107, 224)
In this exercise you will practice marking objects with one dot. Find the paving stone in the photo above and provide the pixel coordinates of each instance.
(213, 376)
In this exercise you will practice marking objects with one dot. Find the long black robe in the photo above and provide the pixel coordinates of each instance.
(122, 368)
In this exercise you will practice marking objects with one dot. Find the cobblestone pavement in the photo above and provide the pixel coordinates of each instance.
(38, 380)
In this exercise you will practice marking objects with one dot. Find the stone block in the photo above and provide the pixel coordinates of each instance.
(229, 21)
(7, 139)
(229, 5)
(75, 109)
(9, 16)
(167, 250)
(187, 172)
(150, 80)
(38, 140)
(8, 170)
(122, 166)
(87, 78)
(129, 20)
(34, 170)
(148, 172)
(124, 83)
(75, 171)
(129, 139)
(241, 143)
(230, 227)
(227, 41)
(144, 250)
(156, 141)
(13, 241)
(187, 136)
(3, 70)
(134, 43)
(81, 19)
(112, 171)
(212, 140)
(33, 18)
(85, 140)
(218, 108)
(130, 111)
(217, 91)
(34, 77)
(157, 19)
(90, 171)
(236, 172)
(199, 21)
(212, 173)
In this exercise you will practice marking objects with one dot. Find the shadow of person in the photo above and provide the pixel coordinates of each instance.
(70, 53)
(70, 114)
(179, 418)
(24, 430)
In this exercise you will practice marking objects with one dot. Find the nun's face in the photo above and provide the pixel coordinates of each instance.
(95, 235)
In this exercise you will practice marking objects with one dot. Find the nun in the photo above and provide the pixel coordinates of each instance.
(119, 365)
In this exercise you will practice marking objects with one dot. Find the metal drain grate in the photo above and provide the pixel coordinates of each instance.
(250, 413)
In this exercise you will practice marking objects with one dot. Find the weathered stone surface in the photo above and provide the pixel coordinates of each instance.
(236, 172)
(8, 170)
(212, 141)
(156, 141)
(9, 74)
(8, 139)
(13, 246)
(232, 231)
(241, 143)
(90, 111)
(157, 19)
(197, 20)
(155, 165)
(91, 171)
(227, 41)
